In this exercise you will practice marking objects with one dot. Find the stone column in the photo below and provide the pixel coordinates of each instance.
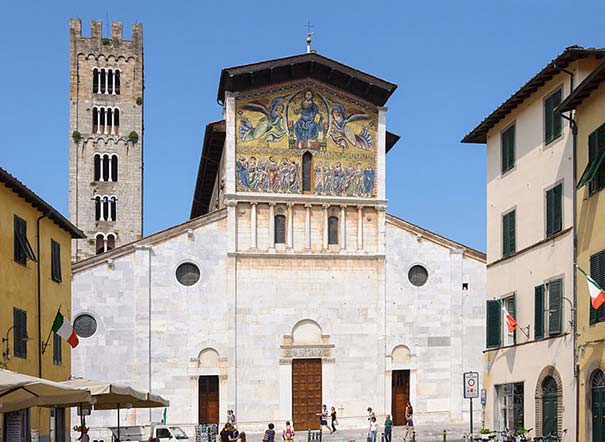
(271, 227)
(101, 167)
(113, 83)
(98, 120)
(308, 226)
(360, 228)
(99, 81)
(290, 237)
(343, 229)
(106, 120)
(253, 236)
(325, 226)
(107, 81)
(113, 126)
(109, 168)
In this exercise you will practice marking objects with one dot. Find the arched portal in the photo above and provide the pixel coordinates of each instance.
(598, 405)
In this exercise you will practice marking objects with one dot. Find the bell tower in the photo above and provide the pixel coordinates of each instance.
(106, 86)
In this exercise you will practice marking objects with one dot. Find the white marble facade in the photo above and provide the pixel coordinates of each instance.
(258, 306)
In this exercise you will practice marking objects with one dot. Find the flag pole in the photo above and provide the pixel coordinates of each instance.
(51, 332)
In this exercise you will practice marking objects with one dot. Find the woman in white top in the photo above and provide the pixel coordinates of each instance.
(373, 429)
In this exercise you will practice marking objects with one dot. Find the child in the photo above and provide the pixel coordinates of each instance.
(288, 433)
(269, 434)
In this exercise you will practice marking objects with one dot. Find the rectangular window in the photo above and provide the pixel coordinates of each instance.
(19, 333)
(508, 149)
(508, 234)
(21, 247)
(57, 357)
(493, 315)
(594, 173)
(280, 229)
(55, 262)
(509, 305)
(554, 210)
(555, 307)
(332, 230)
(539, 312)
(509, 406)
(597, 272)
(553, 123)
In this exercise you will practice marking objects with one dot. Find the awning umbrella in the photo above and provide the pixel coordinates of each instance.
(19, 391)
(110, 396)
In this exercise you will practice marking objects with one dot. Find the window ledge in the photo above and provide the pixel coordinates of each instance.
(533, 341)
(530, 247)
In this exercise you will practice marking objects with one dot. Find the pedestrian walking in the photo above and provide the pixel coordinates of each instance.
(269, 435)
(323, 418)
(231, 417)
(409, 421)
(288, 432)
(373, 429)
(370, 414)
(334, 421)
(388, 428)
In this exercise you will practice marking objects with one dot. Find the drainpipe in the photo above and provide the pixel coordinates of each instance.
(574, 130)
(39, 295)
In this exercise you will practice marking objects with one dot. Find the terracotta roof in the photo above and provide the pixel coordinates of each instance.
(28, 195)
(570, 54)
(584, 89)
(312, 65)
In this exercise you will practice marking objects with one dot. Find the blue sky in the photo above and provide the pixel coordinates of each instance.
(454, 62)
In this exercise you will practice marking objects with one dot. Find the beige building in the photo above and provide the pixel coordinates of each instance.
(587, 103)
(529, 374)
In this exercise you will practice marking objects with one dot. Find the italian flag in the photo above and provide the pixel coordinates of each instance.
(510, 321)
(63, 328)
(597, 295)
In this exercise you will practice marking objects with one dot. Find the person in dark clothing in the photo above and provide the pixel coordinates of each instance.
(269, 434)
(334, 421)
(226, 432)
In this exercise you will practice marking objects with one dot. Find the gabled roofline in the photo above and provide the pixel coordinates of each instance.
(29, 196)
(310, 65)
(570, 54)
(437, 239)
(584, 89)
(150, 240)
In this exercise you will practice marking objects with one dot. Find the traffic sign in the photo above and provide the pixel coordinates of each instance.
(471, 385)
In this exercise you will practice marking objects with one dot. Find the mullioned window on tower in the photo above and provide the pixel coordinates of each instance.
(105, 167)
(105, 208)
(106, 81)
(105, 120)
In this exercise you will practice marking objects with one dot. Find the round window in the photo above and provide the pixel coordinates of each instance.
(418, 275)
(85, 325)
(188, 273)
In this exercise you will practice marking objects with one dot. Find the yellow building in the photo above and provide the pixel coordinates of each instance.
(587, 103)
(35, 282)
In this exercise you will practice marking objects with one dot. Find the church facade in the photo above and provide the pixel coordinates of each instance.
(290, 286)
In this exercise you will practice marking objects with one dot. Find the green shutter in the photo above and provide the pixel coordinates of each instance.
(547, 121)
(595, 159)
(554, 209)
(539, 312)
(508, 233)
(555, 307)
(553, 123)
(493, 325)
(597, 272)
(507, 141)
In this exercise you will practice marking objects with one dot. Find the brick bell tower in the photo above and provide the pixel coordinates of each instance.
(106, 87)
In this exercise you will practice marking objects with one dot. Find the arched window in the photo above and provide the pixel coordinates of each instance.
(103, 82)
(112, 204)
(97, 172)
(95, 120)
(549, 406)
(116, 80)
(111, 242)
(100, 243)
(116, 121)
(102, 120)
(98, 209)
(105, 168)
(95, 81)
(280, 229)
(110, 81)
(307, 168)
(114, 168)
(332, 230)
(105, 211)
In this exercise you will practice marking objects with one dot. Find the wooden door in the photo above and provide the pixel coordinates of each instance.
(400, 394)
(598, 407)
(549, 406)
(306, 393)
(208, 400)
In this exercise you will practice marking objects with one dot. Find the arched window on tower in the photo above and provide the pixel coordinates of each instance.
(98, 209)
(102, 120)
(105, 215)
(111, 242)
(103, 82)
(95, 120)
(95, 81)
(114, 168)
(99, 243)
(116, 80)
(97, 167)
(332, 230)
(307, 167)
(112, 205)
(105, 168)
(116, 122)
(280, 229)
(110, 81)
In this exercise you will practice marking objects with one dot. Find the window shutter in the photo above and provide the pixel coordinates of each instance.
(539, 312)
(555, 307)
(558, 208)
(597, 272)
(493, 325)
(55, 250)
(549, 212)
(20, 333)
(504, 154)
(557, 124)
(548, 120)
(508, 233)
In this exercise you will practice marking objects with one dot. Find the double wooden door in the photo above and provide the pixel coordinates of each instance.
(598, 407)
(400, 395)
(306, 393)
(208, 400)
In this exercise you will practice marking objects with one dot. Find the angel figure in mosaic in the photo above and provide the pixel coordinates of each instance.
(270, 127)
(342, 133)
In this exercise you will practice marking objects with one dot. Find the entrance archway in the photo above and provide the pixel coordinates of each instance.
(598, 406)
